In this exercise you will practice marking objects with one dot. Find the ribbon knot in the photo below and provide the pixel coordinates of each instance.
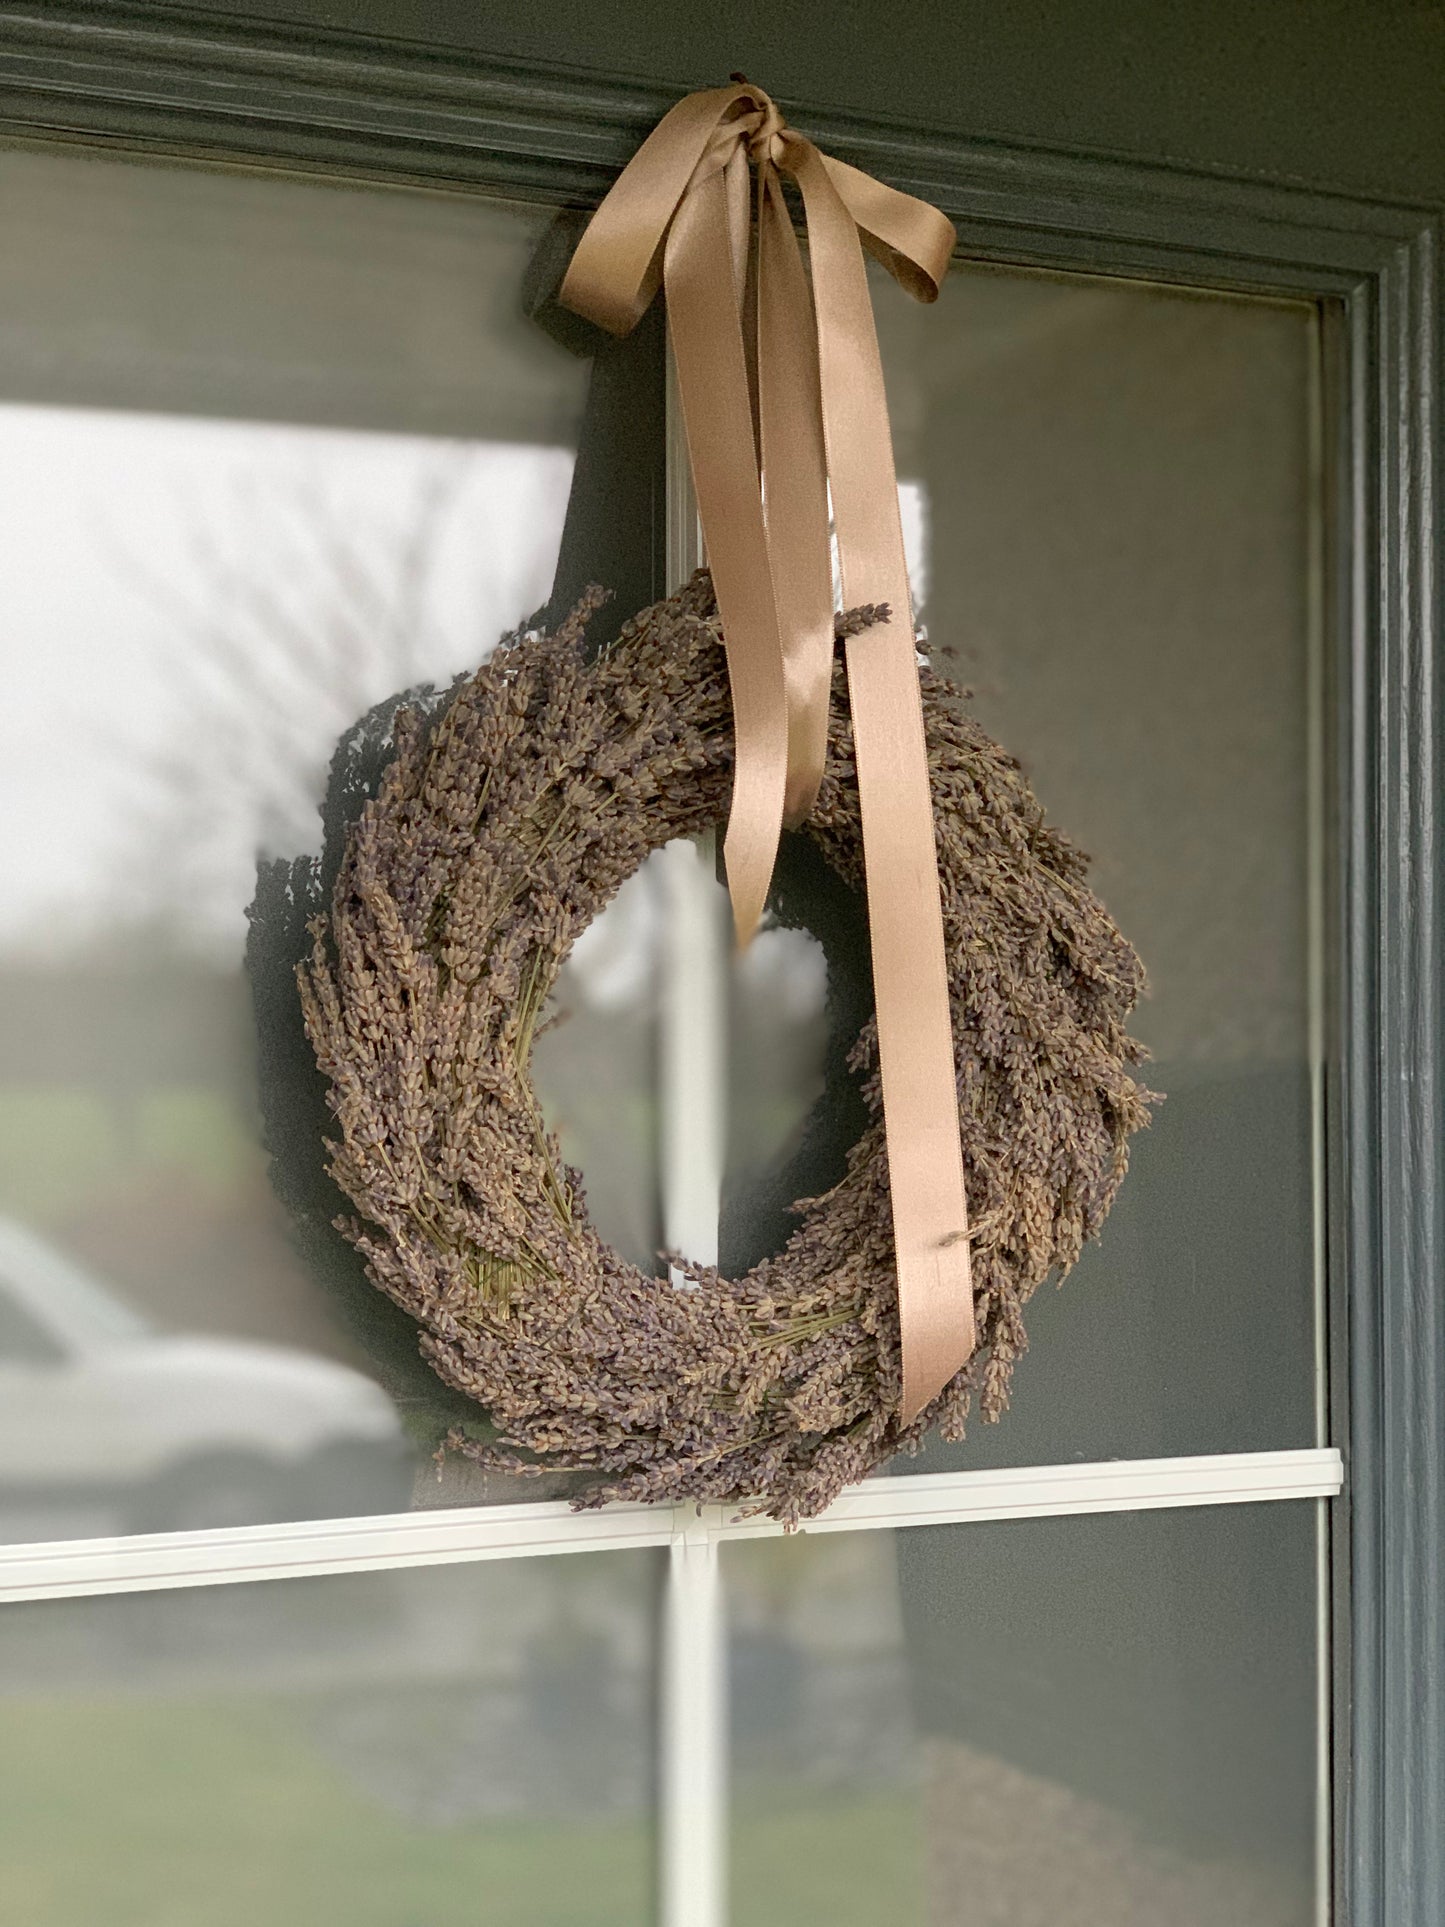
(765, 142)
(775, 437)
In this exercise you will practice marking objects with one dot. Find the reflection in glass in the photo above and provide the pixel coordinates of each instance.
(1091, 1722)
(595, 1064)
(454, 1746)
(798, 999)
(278, 452)
(1109, 501)
(1121, 489)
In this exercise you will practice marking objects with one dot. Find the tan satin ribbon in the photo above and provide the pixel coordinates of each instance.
(768, 440)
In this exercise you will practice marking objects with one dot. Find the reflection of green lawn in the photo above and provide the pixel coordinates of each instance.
(62, 1146)
(130, 1814)
(56, 1147)
(158, 1813)
(837, 1860)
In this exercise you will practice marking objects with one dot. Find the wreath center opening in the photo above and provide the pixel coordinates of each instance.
(783, 1107)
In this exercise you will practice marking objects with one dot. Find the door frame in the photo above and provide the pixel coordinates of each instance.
(172, 82)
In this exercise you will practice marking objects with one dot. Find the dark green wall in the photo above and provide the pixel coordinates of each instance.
(1347, 93)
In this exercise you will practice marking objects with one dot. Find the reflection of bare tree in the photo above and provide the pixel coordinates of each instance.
(286, 620)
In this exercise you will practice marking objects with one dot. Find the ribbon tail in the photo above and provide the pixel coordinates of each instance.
(905, 916)
(716, 406)
(915, 1037)
(795, 491)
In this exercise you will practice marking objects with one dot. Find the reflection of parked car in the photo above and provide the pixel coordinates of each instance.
(107, 1424)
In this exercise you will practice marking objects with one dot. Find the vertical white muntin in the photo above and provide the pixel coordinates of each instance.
(693, 1041)
(693, 1768)
(692, 1779)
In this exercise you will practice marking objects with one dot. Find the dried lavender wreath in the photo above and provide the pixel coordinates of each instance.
(501, 828)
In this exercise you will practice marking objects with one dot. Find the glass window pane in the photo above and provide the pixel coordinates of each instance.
(1089, 1722)
(1120, 486)
(1109, 495)
(277, 451)
(465, 1746)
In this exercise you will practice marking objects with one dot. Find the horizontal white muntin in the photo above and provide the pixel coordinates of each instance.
(70, 1568)
(1052, 1491)
(240, 1554)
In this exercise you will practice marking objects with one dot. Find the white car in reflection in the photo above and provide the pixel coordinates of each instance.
(109, 1425)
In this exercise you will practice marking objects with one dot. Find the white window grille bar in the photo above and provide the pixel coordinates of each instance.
(154, 1561)
(1054, 1491)
(240, 1555)
(693, 1739)
(692, 1783)
(693, 1004)
(692, 1065)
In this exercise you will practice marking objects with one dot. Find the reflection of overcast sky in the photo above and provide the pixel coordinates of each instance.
(123, 537)
(126, 542)
(913, 511)
(613, 961)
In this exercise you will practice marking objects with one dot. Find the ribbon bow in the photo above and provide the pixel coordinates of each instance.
(770, 433)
